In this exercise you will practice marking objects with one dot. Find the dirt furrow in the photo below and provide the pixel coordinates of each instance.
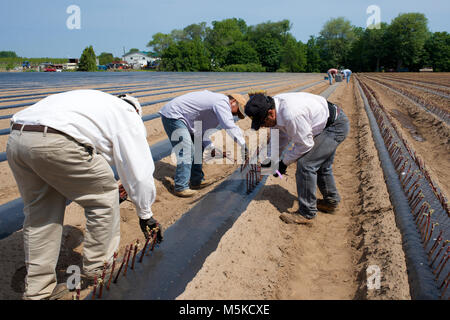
(167, 209)
(428, 136)
(261, 257)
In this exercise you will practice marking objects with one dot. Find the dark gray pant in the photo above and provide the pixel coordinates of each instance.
(314, 168)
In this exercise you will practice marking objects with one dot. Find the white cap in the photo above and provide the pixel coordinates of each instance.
(133, 101)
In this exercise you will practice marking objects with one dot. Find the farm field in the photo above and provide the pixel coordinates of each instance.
(258, 256)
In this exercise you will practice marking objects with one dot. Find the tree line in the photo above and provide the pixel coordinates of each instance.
(406, 44)
(232, 45)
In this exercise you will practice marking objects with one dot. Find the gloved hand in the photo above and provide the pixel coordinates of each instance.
(152, 225)
(281, 168)
(266, 165)
(123, 195)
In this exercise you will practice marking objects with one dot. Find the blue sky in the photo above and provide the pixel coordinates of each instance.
(38, 28)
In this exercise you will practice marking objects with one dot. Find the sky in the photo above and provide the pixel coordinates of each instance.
(40, 28)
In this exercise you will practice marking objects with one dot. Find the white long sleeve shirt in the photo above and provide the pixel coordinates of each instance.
(111, 127)
(212, 109)
(300, 117)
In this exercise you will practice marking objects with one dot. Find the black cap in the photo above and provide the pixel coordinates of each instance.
(257, 109)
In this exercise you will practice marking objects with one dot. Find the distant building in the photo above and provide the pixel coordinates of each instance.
(139, 60)
(72, 64)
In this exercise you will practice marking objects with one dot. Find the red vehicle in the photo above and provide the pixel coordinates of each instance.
(50, 69)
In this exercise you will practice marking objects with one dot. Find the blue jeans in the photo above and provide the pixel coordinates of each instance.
(330, 77)
(314, 168)
(348, 77)
(187, 171)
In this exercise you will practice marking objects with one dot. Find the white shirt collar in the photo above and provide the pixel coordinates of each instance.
(280, 120)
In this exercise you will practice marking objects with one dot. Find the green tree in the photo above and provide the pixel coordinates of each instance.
(275, 30)
(268, 39)
(335, 41)
(269, 50)
(8, 54)
(293, 56)
(104, 58)
(438, 51)
(406, 37)
(196, 31)
(370, 51)
(133, 50)
(160, 42)
(241, 52)
(356, 59)
(222, 35)
(87, 60)
(313, 55)
(186, 56)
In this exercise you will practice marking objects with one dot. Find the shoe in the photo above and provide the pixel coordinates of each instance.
(203, 184)
(297, 218)
(88, 277)
(326, 206)
(186, 193)
(58, 292)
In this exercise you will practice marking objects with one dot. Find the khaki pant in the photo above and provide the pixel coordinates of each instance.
(49, 169)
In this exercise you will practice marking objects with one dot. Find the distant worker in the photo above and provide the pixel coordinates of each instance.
(60, 149)
(331, 74)
(315, 127)
(347, 73)
(210, 109)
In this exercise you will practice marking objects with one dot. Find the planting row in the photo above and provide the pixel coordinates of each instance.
(429, 206)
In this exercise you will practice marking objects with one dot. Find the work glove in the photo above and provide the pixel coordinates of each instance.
(281, 168)
(148, 226)
(123, 195)
(266, 165)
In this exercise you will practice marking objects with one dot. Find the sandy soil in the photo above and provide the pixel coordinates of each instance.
(160, 94)
(327, 260)
(434, 147)
(167, 208)
(425, 98)
(438, 78)
(425, 85)
(261, 257)
(155, 130)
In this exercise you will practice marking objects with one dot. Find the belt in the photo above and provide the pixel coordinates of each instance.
(34, 128)
(334, 113)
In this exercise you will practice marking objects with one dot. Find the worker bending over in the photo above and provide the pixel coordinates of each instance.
(331, 74)
(210, 109)
(315, 127)
(60, 149)
(347, 73)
